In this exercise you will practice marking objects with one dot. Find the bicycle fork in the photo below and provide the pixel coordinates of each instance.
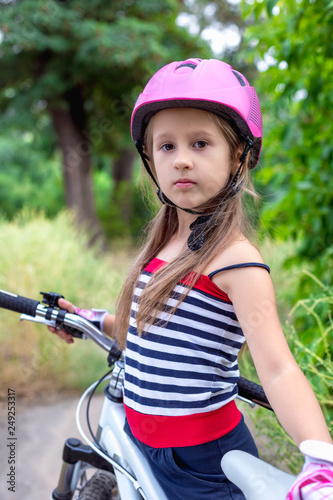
(76, 457)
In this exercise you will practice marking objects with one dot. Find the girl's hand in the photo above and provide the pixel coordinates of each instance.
(64, 304)
(315, 482)
(96, 316)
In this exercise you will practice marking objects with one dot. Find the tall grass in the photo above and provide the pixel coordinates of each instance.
(37, 254)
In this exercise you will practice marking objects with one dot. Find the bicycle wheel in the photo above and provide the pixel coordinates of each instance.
(101, 486)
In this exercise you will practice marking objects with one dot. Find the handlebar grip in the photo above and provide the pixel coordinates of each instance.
(17, 303)
(254, 392)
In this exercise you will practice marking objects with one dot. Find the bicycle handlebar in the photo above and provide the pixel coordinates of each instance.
(17, 303)
(254, 392)
(59, 318)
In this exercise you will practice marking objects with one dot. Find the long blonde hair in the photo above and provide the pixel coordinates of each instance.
(231, 216)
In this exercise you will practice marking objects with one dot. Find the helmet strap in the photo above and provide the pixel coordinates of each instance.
(145, 159)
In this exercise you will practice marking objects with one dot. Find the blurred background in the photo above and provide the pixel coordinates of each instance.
(71, 210)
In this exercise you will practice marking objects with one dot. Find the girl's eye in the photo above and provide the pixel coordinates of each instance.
(200, 144)
(167, 147)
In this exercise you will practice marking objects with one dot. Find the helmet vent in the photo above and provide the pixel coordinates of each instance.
(255, 114)
(187, 65)
(239, 78)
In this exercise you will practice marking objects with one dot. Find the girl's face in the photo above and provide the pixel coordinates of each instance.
(191, 156)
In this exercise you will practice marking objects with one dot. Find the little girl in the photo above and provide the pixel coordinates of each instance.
(199, 289)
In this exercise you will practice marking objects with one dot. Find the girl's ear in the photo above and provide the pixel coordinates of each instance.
(237, 160)
(239, 153)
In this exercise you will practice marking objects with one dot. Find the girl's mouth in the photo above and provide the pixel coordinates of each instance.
(184, 183)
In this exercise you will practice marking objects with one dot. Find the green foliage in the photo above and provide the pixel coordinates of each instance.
(28, 178)
(313, 318)
(293, 48)
(39, 254)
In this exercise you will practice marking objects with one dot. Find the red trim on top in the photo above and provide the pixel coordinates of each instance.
(154, 265)
(189, 430)
(204, 283)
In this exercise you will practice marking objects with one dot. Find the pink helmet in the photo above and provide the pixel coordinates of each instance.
(207, 84)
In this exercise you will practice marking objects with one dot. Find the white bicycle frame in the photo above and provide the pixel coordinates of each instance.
(111, 449)
(139, 482)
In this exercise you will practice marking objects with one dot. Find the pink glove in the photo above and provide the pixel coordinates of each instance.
(96, 316)
(315, 482)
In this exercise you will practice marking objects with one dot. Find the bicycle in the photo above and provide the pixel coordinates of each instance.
(120, 470)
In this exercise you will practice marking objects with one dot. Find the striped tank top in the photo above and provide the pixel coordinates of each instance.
(181, 376)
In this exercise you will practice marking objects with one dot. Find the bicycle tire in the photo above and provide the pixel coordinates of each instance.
(99, 487)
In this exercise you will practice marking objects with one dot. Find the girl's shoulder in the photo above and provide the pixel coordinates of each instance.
(240, 251)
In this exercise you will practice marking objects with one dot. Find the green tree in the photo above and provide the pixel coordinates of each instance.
(292, 47)
(82, 63)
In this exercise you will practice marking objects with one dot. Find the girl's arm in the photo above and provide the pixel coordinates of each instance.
(290, 394)
(108, 324)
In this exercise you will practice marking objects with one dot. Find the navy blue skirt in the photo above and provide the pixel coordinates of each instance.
(194, 472)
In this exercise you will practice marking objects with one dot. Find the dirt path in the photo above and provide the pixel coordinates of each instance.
(40, 431)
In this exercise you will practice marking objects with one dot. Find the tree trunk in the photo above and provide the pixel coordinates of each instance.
(122, 173)
(68, 120)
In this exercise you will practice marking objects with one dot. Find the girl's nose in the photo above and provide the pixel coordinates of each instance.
(183, 160)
